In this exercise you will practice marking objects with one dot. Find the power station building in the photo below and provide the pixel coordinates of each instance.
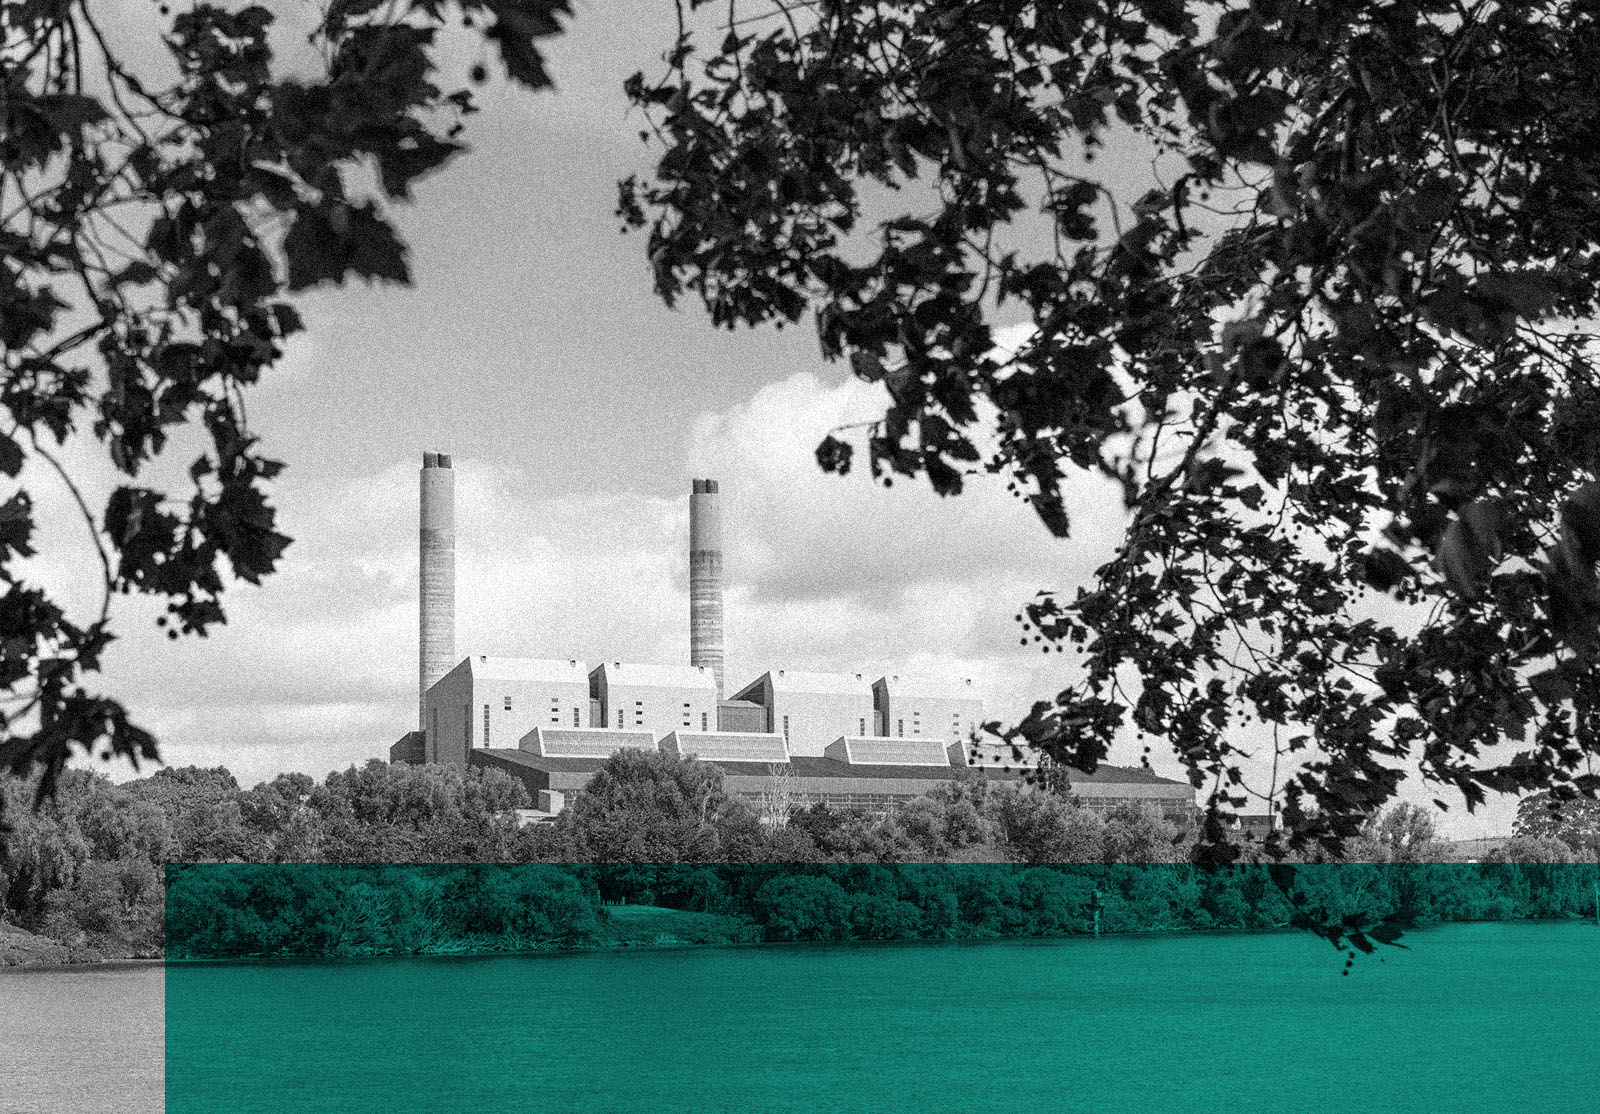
(811, 710)
(848, 740)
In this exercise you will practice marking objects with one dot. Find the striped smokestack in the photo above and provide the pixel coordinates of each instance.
(437, 613)
(705, 578)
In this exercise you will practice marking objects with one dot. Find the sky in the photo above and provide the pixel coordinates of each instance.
(577, 408)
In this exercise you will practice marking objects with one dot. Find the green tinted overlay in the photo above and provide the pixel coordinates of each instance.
(548, 987)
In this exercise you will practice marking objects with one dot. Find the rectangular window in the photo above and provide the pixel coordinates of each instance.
(619, 718)
(575, 718)
(508, 703)
(785, 727)
(486, 725)
(704, 720)
(863, 725)
(900, 727)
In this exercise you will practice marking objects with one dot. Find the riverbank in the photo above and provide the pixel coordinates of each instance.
(20, 948)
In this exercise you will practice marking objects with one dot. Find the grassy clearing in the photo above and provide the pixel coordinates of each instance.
(654, 926)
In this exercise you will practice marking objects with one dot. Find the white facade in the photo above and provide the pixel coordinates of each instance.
(909, 706)
(659, 699)
(494, 702)
(811, 710)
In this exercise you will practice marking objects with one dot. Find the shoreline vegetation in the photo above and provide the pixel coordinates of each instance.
(186, 863)
(326, 910)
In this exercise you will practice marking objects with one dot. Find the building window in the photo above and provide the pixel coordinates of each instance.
(863, 725)
(705, 721)
(486, 725)
(508, 703)
(785, 727)
(575, 717)
(619, 718)
(900, 727)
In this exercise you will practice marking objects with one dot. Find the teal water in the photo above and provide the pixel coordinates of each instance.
(1481, 1017)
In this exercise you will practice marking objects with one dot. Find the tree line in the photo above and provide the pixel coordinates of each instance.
(87, 868)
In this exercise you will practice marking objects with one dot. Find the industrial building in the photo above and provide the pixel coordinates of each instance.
(848, 740)
(909, 707)
(661, 698)
(810, 710)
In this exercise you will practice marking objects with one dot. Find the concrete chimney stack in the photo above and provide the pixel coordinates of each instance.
(437, 613)
(705, 578)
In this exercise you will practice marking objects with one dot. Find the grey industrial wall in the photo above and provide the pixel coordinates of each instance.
(741, 716)
(409, 749)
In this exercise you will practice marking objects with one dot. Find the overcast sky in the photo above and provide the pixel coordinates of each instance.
(577, 409)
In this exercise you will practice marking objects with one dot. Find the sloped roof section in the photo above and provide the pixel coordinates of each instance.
(856, 751)
(727, 746)
(583, 742)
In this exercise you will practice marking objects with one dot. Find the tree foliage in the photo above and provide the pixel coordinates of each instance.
(1574, 821)
(1333, 351)
(155, 222)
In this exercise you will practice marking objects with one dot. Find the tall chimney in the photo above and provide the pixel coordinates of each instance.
(437, 613)
(705, 578)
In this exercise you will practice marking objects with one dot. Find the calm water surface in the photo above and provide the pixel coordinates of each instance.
(81, 1039)
(1474, 1018)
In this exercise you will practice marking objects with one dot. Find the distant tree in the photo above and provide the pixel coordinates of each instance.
(1134, 834)
(1405, 833)
(648, 807)
(155, 220)
(1334, 346)
(1576, 821)
(780, 798)
(383, 812)
(803, 907)
(1041, 827)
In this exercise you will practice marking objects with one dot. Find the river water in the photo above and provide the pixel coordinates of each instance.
(83, 1039)
(1472, 1018)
